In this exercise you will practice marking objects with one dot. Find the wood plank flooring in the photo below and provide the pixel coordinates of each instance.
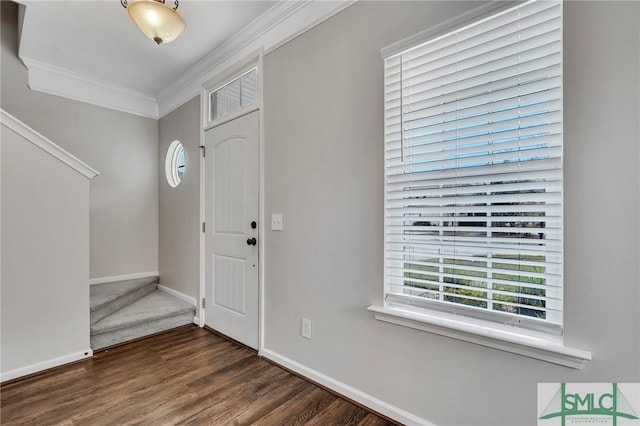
(184, 376)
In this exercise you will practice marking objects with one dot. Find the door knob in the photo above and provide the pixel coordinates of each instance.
(251, 241)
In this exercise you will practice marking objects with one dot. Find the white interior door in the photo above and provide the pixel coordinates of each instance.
(231, 232)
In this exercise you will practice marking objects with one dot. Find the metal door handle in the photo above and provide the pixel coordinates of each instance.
(252, 242)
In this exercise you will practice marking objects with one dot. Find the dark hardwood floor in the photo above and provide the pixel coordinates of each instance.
(184, 376)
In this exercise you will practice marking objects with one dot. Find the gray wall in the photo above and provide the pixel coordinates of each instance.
(324, 171)
(121, 146)
(179, 249)
(45, 259)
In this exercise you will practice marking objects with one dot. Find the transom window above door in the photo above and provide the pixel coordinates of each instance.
(234, 95)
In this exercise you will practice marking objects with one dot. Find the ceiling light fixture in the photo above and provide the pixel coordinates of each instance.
(159, 22)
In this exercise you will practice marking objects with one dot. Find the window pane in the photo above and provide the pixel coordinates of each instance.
(250, 87)
(175, 163)
(238, 93)
(216, 103)
(473, 142)
(232, 98)
(181, 163)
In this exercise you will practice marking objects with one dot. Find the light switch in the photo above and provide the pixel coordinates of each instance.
(276, 222)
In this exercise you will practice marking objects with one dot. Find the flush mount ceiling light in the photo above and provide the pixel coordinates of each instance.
(159, 22)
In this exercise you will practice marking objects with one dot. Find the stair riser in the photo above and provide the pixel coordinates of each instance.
(114, 337)
(121, 302)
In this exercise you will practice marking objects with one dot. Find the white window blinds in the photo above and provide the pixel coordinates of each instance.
(473, 161)
(236, 94)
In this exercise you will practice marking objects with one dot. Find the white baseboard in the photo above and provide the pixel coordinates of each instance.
(134, 276)
(190, 300)
(44, 365)
(354, 394)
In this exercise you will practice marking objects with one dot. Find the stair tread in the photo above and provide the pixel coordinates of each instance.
(102, 294)
(155, 305)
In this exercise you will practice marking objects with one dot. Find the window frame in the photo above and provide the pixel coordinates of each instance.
(536, 342)
(171, 166)
(242, 109)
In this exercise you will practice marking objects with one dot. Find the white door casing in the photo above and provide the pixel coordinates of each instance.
(231, 246)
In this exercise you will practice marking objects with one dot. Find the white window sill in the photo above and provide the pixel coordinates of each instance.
(504, 337)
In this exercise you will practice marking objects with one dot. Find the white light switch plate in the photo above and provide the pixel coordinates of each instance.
(276, 222)
(305, 329)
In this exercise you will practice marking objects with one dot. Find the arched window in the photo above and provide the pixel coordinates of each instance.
(175, 163)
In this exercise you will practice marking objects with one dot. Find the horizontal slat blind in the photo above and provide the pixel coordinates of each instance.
(238, 93)
(473, 170)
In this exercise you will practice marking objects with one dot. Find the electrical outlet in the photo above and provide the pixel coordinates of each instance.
(305, 330)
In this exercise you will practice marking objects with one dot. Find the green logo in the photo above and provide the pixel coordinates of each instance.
(587, 404)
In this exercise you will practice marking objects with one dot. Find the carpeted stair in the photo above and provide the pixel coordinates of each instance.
(127, 310)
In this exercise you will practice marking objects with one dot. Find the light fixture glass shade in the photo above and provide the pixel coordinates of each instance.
(157, 21)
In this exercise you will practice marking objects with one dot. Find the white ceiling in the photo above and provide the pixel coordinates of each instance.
(89, 50)
(96, 39)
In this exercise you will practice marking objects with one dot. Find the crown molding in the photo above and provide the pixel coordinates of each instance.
(46, 145)
(58, 81)
(279, 24)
